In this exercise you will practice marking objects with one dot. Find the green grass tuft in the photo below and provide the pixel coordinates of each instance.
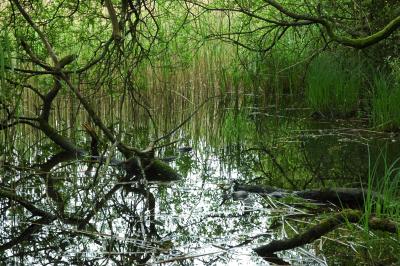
(385, 183)
(333, 85)
(385, 102)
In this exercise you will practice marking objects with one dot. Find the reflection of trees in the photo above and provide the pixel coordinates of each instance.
(52, 209)
(335, 155)
(66, 214)
(291, 155)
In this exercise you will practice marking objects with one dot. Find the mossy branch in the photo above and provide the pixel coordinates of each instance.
(321, 229)
(353, 42)
(371, 39)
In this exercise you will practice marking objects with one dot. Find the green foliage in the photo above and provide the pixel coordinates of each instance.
(395, 66)
(333, 84)
(385, 102)
(2, 68)
(382, 197)
(287, 64)
(5, 60)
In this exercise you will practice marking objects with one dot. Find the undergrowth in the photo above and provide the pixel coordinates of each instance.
(333, 85)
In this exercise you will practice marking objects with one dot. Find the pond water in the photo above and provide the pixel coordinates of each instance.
(196, 220)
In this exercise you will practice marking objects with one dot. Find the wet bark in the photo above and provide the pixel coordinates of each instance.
(342, 197)
(323, 228)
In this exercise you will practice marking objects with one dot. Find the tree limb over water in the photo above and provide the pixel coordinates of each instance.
(341, 197)
(270, 20)
(323, 228)
(360, 43)
(348, 197)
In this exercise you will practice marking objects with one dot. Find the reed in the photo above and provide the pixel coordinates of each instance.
(385, 101)
(333, 85)
(382, 196)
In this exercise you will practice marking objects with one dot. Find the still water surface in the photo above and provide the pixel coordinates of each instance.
(196, 220)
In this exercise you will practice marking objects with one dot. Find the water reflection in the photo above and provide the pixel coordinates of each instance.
(67, 210)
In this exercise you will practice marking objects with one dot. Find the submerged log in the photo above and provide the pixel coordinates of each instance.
(324, 227)
(344, 197)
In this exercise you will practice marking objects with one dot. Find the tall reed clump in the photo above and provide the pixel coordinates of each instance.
(382, 196)
(385, 100)
(333, 85)
(5, 60)
(286, 66)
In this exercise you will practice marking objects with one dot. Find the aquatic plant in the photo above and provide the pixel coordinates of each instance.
(382, 196)
(385, 101)
(333, 85)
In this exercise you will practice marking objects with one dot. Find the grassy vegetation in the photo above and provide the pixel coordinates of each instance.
(333, 85)
(386, 99)
(381, 200)
(384, 180)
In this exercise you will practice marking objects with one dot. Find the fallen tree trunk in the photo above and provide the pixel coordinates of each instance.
(324, 227)
(344, 197)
